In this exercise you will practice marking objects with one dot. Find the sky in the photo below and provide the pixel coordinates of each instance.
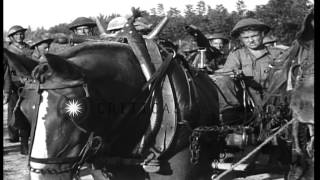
(48, 13)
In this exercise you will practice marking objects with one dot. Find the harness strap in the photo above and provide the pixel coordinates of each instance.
(50, 86)
(33, 128)
(66, 160)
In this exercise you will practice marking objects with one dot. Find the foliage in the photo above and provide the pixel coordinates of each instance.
(285, 17)
(60, 28)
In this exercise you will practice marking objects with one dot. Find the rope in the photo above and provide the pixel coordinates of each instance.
(254, 151)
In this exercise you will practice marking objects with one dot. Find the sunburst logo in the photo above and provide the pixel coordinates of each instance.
(73, 108)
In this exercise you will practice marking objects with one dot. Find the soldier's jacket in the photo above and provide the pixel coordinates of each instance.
(256, 67)
(6, 77)
(10, 73)
(23, 49)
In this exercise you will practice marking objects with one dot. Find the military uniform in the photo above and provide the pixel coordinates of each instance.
(218, 62)
(77, 38)
(38, 54)
(254, 68)
(13, 83)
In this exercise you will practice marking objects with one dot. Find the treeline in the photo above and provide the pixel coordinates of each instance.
(284, 16)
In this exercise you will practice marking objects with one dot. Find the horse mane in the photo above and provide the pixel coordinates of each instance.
(71, 52)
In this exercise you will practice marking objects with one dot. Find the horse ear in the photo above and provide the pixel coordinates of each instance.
(63, 68)
(21, 64)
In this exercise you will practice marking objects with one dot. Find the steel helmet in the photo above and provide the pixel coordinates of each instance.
(119, 22)
(248, 22)
(116, 23)
(15, 29)
(269, 39)
(82, 21)
(218, 35)
(45, 38)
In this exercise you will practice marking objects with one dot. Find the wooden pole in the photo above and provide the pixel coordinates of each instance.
(254, 151)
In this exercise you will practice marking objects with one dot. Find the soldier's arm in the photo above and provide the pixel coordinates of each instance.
(200, 38)
(231, 64)
(6, 84)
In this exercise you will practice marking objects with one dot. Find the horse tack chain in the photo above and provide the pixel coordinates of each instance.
(198, 132)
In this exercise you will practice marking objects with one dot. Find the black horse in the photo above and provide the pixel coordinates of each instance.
(91, 104)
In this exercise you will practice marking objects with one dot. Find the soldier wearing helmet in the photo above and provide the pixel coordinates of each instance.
(251, 62)
(83, 29)
(117, 24)
(41, 47)
(220, 41)
(82, 26)
(13, 82)
(17, 45)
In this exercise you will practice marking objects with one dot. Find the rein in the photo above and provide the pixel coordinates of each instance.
(90, 148)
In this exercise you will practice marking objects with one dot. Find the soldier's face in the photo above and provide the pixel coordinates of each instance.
(217, 43)
(19, 37)
(43, 48)
(83, 30)
(252, 39)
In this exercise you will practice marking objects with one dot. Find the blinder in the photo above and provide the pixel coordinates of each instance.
(90, 147)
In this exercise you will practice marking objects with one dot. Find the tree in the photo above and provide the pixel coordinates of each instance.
(160, 10)
(189, 12)
(174, 12)
(201, 8)
(60, 28)
(218, 19)
(153, 11)
(241, 7)
(284, 17)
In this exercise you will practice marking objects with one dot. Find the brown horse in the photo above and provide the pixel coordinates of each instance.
(90, 105)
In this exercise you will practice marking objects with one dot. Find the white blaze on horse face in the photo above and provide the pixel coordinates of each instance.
(39, 147)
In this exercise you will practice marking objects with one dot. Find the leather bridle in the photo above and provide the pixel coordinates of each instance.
(93, 142)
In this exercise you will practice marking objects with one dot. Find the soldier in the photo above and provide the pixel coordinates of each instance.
(220, 41)
(41, 47)
(82, 26)
(16, 45)
(83, 29)
(117, 24)
(252, 61)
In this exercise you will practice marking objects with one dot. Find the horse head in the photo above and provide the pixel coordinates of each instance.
(73, 101)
